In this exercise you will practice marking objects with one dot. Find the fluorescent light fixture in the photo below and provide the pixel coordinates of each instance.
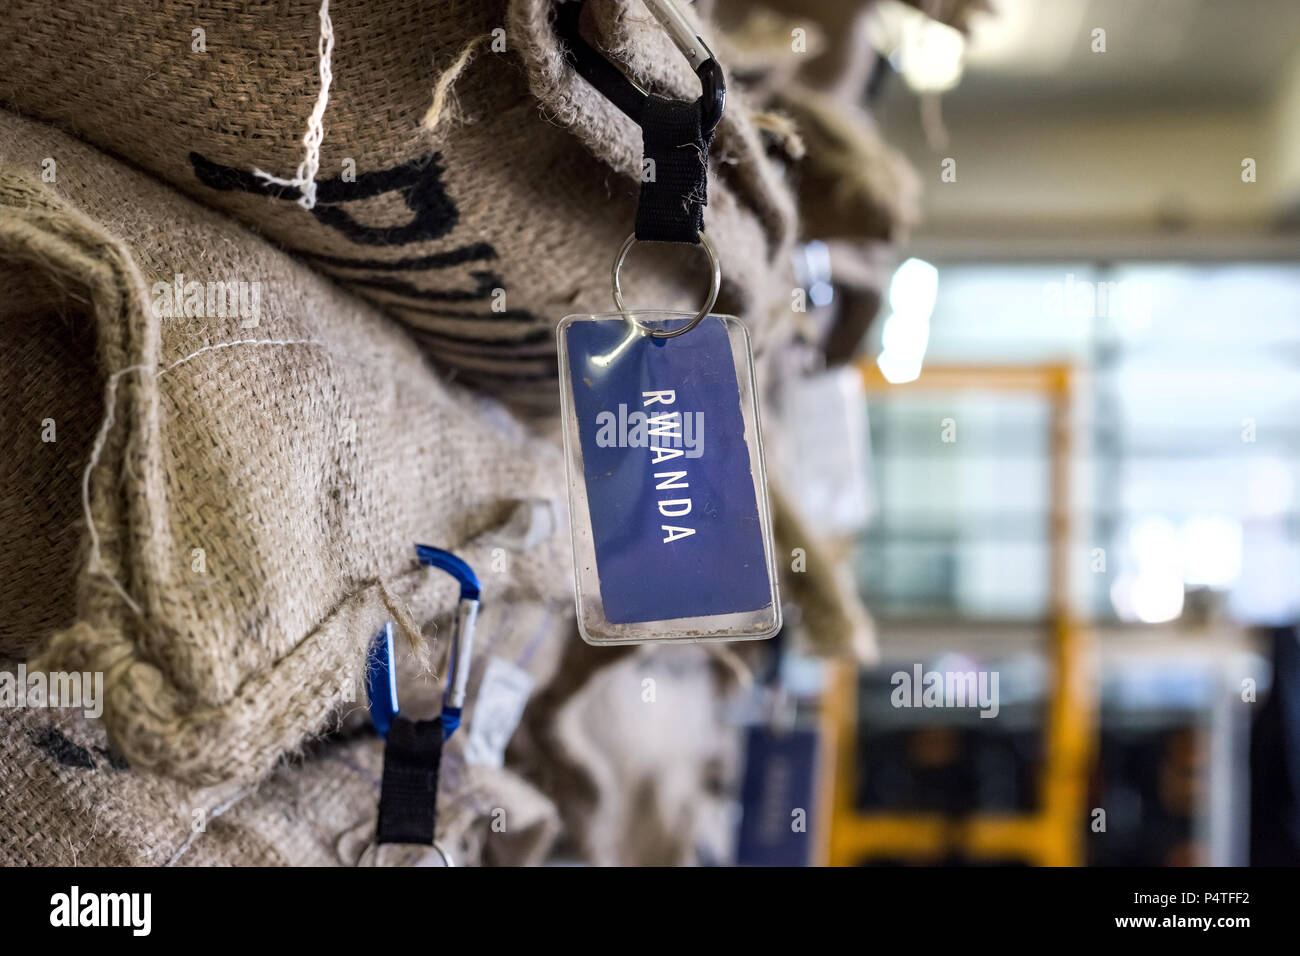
(1156, 545)
(930, 56)
(1152, 597)
(1157, 597)
(1156, 591)
(1212, 551)
(913, 289)
(906, 332)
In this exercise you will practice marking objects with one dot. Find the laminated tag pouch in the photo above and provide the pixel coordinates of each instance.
(667, 490)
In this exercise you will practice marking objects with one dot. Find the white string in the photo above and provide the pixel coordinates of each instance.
(216, 812)
(305, 178)
(110, 403)
(96, 560)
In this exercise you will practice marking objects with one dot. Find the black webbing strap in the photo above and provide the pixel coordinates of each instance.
(593, 67)
(675, 172)
(676, 137)
(408, 798)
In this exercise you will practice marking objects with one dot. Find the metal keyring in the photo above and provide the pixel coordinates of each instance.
(370, 856)
(714, 286)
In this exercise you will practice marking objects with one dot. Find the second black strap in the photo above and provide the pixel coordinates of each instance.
(674, 178)
(408, 798)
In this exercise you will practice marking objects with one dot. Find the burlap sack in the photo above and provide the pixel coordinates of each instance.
(955, 13)
(67, 798)
(255, 492)
(635, 749)
(854, 190)
(831, 616)
(850, 183)
(469, 181)
(322, 810)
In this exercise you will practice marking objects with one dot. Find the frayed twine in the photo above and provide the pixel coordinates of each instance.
(399, 611)
(784, 129)
(444, 100)
(305, 178)
(410, 630)
(936, 132)
(96, 563)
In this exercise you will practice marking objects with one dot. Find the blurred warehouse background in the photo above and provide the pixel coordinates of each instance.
(1066, 458)
(1022, 279)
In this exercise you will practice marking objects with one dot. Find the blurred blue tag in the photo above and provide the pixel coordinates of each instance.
(668, 472)
(780, 780)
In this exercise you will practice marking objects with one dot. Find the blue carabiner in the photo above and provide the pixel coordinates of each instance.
(381, 680)
(462, 636)
(381, 671)
(462, 572)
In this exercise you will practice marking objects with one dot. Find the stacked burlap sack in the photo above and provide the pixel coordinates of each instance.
(635, 747)
(223, 543)
(227, 514)
(468, 181)
(809, 68)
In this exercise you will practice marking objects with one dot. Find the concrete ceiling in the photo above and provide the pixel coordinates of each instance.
(1145, 140)
(1037, 53)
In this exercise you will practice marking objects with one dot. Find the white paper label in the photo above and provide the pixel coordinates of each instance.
(827, 453)
(497, 710)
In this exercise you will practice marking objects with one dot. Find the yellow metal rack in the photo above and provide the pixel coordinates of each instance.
(1052, 835)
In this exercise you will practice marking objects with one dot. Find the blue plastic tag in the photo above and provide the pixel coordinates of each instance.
(780, 780)
(671, 476)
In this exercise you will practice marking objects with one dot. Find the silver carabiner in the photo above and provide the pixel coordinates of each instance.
(680, 30)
